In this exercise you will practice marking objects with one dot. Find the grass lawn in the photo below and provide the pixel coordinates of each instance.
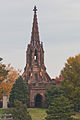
(37, 113)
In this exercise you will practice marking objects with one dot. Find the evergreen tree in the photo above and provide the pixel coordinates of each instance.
(19, 92)
(60, 109)
(53, 92)
(19, 112)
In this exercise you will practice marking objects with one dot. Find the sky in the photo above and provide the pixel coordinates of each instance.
(59, 29)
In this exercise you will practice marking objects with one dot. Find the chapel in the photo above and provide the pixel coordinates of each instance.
(35, 75)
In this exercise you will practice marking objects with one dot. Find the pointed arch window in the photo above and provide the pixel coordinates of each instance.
(35, 55)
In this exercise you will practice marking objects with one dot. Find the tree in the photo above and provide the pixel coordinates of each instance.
(75, 98)
(7, 83)
(13, 74)
(19, 92)
(3, 71)
(53, 92)
(60, 109)
(19, 112)
(71, 75)
(3, 76)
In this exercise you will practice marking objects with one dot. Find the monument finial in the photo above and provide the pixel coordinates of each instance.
(35, 9)
(35, 33)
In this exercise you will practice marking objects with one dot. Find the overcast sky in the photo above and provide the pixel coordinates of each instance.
(59, 26)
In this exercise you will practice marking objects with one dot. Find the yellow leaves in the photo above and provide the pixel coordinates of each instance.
(76, 58)
(7, 84)
(5, 88)
(71, 74)
(13, 74)
(70, 59)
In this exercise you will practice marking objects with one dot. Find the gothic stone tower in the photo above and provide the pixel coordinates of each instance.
(35, 72)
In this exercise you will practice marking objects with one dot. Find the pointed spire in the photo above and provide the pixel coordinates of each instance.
(35, 33)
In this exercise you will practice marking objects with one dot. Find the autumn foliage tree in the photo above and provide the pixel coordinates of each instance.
(71, 75)
(8, 76)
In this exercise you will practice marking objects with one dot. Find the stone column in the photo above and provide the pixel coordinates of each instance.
(5, 101)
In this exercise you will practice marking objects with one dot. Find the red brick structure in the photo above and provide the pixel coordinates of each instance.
(35, 71)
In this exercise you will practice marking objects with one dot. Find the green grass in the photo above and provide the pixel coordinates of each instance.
(37, 113)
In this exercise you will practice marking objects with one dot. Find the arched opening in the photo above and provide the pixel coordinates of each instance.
(38, 101)
(35, 55)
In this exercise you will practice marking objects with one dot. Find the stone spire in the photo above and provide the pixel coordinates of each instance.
(35, 33)
(35, 75)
